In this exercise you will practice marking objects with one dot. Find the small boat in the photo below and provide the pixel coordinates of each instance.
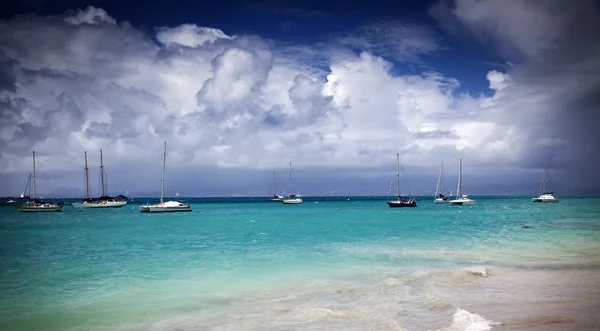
(104, 201)
(292, 199)
(35, 205)
(439, 197)
(545, 196)
(10, 201)
(461, 199)
(275, 197)
(162, 206)
(400, 202)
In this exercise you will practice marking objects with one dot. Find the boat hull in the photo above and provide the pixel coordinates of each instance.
(544, 200)
(292, 201)
(440, 201)
(275, 200)
(401, 204)
(38, 209)
(462, 202)
(166, 207)
(158, 209)
(105, 204)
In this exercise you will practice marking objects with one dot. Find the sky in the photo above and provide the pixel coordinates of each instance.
(239, 89)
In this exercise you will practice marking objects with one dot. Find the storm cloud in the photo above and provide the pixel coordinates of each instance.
(242, 105)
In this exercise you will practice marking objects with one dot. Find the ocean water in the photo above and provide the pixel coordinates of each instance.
(328, 264)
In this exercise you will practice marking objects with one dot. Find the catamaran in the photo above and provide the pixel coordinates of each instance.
(103, 201)
(399, 202)
(162, 206)
(275, 197)
(292, 199)
(545, 196)
(36, 205)
(461, 199)
(439, 197)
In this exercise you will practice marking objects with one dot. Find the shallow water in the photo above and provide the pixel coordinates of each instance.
(338, 265)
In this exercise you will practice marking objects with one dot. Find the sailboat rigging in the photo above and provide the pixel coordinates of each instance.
(439, 197)
(36, 205)
(104, 201)
(162, 206)
(544, 195)
(461, 199)
(275, 197)
(399, 202)
(292, 199)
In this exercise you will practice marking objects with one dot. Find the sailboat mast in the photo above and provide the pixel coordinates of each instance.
(101, 174)
(398, 175)
(87, 187)
(34, 187)
(442, 177)
(27, 188)
(544, 179)
(162, 181)
(290, 182)
(437, 189)
(459, 188)
(274, 191)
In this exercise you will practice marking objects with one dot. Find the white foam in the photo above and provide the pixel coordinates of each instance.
(465, 321)
(478, 270)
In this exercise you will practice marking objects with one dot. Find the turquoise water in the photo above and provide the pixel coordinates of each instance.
(344, 264)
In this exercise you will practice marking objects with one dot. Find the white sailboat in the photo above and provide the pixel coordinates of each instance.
(399, 202)
(35, 205)
(461, 199)
(545, 196)
(292, 199)
(162, 206)
(439, 197)
(103, 201)
(275, 197)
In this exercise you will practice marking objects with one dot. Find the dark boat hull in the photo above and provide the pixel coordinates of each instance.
(403, 204)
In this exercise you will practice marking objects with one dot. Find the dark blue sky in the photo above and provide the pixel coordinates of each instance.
(305, 22)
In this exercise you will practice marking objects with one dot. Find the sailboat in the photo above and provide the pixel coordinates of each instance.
(103, 201)
(545, 196)
(275, 198)
(162, 206)
(292, 199)
(399, 202)
(461, 199)
(439, 197)
(36, 205)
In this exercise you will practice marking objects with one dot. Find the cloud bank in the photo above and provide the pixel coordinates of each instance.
(242, 104)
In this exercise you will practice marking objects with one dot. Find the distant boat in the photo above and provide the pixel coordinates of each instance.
(10, 201)
(399, 202)
(275, 197)
(461, 199)
(292, 199)
(439, 197)
(545, 196)
(162, 206)
(36, 205)
(104, 201)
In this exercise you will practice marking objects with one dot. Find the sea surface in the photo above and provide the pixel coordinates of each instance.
(343, 263)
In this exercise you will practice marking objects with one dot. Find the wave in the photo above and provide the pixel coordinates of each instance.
(466, 321)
